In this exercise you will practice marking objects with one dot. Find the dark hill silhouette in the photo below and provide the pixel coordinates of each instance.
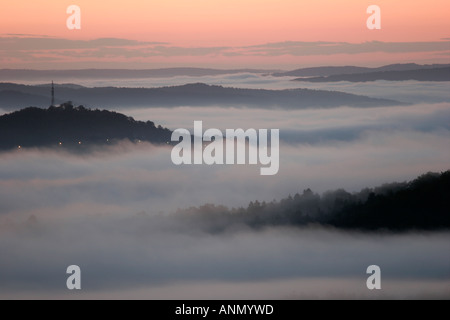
(196, 94)
(436, 74)
(422, 204)
(74, 127)
(339, 70)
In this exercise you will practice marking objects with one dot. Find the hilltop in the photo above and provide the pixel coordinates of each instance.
(74, 127)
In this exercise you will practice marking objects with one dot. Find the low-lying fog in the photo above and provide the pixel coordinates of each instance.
(109, 212)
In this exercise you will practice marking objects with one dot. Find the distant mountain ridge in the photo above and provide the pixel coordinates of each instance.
(13, 96)
(74, 127)
(29, 74)
(339, 70)
(9, 75)
(435, 74)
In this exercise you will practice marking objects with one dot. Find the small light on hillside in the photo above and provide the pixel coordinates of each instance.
(79, 142)
(19, 147)
(60, 143)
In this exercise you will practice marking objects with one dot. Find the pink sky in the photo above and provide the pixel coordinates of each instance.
(202, 24)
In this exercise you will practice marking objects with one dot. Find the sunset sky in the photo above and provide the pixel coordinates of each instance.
(89, 178)
(231, 33)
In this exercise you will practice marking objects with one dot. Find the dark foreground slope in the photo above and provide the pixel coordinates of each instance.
(422, 204)
(71, 127)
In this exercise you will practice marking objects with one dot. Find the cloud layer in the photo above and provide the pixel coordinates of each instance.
(109, 212)
(146, 259)
(39, 50)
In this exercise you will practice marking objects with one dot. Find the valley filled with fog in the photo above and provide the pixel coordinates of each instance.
(111, 211)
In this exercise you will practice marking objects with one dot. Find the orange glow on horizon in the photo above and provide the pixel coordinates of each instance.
(223, 23)
(230, 22)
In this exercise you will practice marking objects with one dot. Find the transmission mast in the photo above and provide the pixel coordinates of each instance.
(53, 95)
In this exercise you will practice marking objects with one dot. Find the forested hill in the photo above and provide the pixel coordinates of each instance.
(421, 204)
(74, 127)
